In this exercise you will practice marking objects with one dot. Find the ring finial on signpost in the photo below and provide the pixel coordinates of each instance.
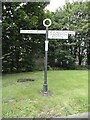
(44, 22)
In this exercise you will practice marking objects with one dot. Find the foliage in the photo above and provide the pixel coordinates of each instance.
(71, 17)
(20, 51)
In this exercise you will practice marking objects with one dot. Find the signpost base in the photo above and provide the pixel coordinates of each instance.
(45, 89)
(48, 93)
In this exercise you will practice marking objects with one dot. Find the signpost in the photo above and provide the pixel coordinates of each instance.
(33, 31)
(45, 86)
(50, 34)
(57, 35)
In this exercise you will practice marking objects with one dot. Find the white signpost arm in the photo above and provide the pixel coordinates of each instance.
(33, 31)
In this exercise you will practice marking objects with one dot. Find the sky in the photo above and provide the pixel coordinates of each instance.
(54, 4)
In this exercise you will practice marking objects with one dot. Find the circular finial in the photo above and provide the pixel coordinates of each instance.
(44, 22)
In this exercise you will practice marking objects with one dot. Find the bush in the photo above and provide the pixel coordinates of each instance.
(72, 67)
(81, 67)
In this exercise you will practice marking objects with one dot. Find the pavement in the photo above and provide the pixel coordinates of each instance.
(81, 115)
(85, 115)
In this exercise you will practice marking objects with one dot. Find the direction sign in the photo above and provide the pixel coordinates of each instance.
(54, 34)
(51, 32)
(69, 32)
(33, 31)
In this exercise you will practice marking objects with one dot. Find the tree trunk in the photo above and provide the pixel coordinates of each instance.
(88, 54)
(79, 56)
(80, 60)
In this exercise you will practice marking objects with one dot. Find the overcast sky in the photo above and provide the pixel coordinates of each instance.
(54, 4)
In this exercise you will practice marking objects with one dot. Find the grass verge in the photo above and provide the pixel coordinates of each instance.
(69, 94)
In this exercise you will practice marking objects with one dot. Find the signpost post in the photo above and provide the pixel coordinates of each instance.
(50, 34)
(45, 86)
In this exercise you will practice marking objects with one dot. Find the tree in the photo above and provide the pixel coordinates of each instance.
(19, 51)
(73, 17)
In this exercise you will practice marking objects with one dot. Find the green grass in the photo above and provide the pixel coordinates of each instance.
(69, 94)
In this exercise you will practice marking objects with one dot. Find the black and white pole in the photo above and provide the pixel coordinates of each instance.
(45, 86)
